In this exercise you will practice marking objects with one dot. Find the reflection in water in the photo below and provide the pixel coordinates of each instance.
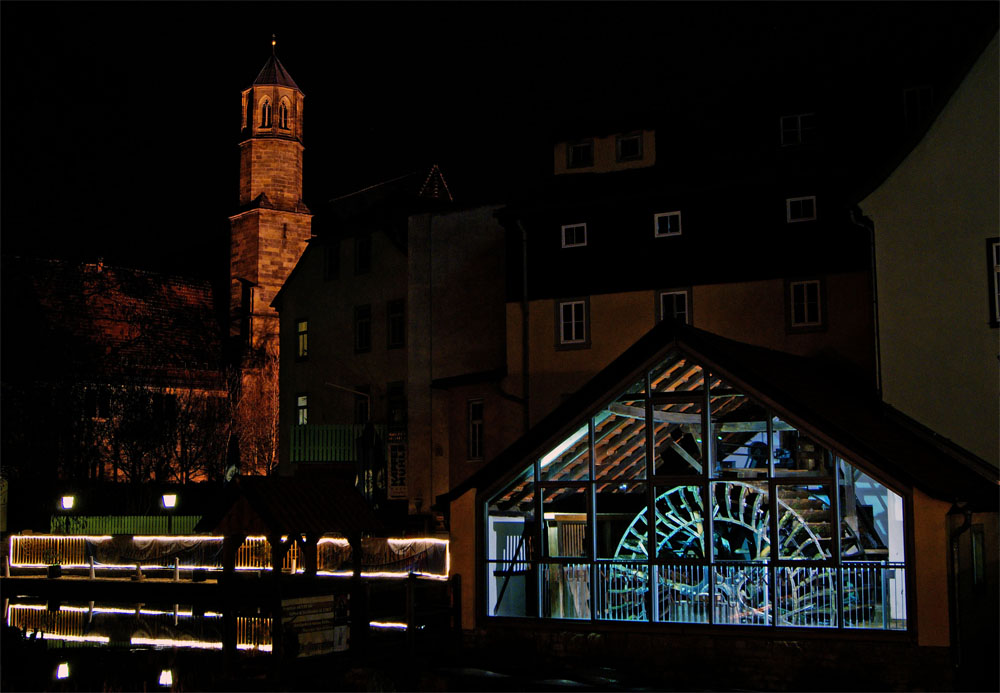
(138, 626)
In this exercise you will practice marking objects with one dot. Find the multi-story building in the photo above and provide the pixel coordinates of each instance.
(398, 298)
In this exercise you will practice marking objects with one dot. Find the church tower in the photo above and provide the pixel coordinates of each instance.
(272, 225)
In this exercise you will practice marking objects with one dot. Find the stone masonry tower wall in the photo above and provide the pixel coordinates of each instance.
(270, 230)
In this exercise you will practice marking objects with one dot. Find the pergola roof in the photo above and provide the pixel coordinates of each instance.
(839, 409)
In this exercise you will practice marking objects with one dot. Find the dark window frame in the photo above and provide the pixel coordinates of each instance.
(628, 136)
(475, 429)
(586, 161)
(395, 312)
(362, 328)
(302, 339)
(799, 133)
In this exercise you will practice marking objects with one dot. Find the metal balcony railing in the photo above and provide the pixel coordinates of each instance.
(330, 443)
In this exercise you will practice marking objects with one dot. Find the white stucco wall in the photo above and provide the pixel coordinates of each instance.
(932, 219)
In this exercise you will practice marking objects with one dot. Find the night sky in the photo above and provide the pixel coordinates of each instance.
(120, 120)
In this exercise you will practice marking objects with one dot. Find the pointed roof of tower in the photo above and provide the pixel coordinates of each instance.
(435, 187)
(274, 72)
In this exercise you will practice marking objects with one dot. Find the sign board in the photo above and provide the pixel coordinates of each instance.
(309, 626)
(397, 471)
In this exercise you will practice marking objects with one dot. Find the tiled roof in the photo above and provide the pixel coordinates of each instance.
(112, 324)
(835, 407)
(274, 72)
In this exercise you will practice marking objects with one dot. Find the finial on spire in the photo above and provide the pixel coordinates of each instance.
(274, 42)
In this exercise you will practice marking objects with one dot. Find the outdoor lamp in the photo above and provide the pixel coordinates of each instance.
(166, 678)
(62, 671)
(169, 500)
(67, 502)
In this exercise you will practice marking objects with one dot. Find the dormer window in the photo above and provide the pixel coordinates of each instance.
(283, 115)
(800, 209)
(628, 147)
(580, 154)
(265, 114)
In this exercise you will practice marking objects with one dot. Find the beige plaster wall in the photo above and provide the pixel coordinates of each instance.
(463, 553)
(932, 218)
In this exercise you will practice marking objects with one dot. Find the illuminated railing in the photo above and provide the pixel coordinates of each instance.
(382, 558)
(874, 595)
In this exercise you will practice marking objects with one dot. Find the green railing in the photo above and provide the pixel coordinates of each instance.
(330, 443)
(123, 524)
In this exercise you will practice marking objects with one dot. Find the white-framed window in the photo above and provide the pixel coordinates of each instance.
(628, 147)
(675, 304)
(475, 419)
(572, 323)
(302, 409)
(799, 128)
(993, 264)
(800, 209)
(580, 154)
(805, 303)
(302, 335)
(574, 235)
(667, 224)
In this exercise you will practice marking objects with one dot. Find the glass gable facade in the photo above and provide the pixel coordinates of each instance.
(684, 500)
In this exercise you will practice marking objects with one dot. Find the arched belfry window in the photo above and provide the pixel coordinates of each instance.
(265, 114)
(283, 115)
(686, 500)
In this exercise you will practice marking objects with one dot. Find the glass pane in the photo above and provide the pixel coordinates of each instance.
(676, 374)
(682, 593)
(510, 522)
(874, 596)
(741, 531)
(680, 524)
(740, 428)
(805, 526)
(621, 590)
(566, 590)
(569, 460)
(618, 504)
(620, 442)
(806, 597)
(871, 518)
(677, 439)
(797, 454)
(565, 521)
(742, 594)
(511, 587)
